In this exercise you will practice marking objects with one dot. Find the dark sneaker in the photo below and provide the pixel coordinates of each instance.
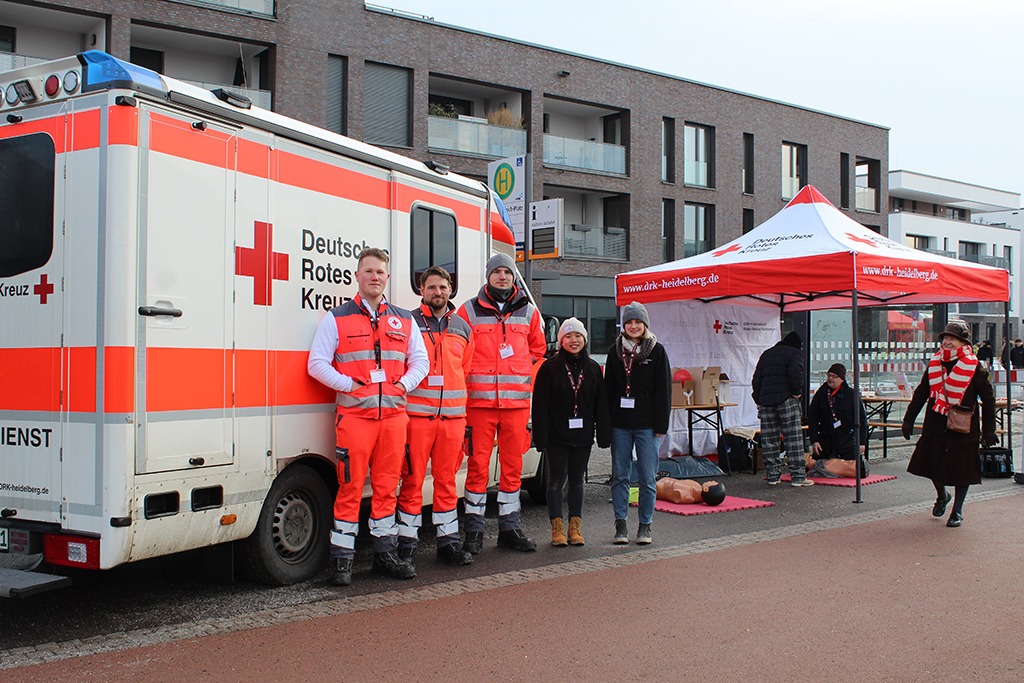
(621, 533)
(391, 565)
(342, 575)
(454, 555)
(515, 539)
(474, 542)
(643, 534)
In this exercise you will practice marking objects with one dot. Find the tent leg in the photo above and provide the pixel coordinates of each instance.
(856, 389)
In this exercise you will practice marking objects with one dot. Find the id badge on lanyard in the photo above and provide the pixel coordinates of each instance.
(505, 351)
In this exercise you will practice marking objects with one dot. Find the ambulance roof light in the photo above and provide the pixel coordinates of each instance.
(103, 72)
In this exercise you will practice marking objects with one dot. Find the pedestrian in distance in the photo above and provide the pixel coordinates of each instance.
(1017, 354)
(834, 446)
(986, 353)
(368, 352)
(638, 384)
(437, 422)
(569, 408)
(508, 339)
(777, 386)
(955, 377)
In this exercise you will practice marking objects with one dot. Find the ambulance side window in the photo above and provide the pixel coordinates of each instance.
(26, 203)
(433, 244)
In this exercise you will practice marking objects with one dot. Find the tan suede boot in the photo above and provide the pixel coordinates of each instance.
(558, 532)
(575, 537)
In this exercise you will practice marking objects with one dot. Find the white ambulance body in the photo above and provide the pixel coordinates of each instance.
(166, 255)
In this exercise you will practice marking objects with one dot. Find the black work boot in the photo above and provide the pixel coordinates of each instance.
(454, 555)
(474, 542)
(391, 565)
(342, 575)
(408, 555)
(515, 539)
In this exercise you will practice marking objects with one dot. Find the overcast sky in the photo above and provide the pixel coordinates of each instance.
(944, 76)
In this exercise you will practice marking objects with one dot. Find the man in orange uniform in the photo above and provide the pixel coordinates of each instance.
(437, 422)
(508, 339)
(368, 352)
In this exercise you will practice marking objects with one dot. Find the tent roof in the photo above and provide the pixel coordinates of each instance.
(812, 256)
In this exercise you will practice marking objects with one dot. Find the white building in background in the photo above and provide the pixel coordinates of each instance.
(964, 221)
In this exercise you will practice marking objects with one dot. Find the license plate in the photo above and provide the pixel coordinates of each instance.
(4, 536)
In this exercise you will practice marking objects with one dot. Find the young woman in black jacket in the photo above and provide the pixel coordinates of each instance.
(569, 406)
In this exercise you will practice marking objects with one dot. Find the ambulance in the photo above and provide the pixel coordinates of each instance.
(166, 254)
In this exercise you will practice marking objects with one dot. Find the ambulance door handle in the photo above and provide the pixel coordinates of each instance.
(196, 461)
(154, 310)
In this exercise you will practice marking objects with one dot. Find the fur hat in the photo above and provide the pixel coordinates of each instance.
(839, 370)
(500, 261)
(636, 311)
(572, 325)
(957, 330)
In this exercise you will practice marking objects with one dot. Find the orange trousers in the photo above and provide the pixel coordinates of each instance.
(441, 443)
(378, 445)
(509, 426)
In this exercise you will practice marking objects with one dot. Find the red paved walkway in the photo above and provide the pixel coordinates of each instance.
(899, 600)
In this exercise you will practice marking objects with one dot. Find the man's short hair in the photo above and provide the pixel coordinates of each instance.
(375, 253)
(439, 272)
(1017, 341)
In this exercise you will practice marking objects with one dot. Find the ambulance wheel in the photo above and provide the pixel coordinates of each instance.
(290, 541)
(537, 485)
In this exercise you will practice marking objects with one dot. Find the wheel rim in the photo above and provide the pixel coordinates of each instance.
(294, 526)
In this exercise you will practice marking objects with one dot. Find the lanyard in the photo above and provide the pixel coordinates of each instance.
(627, 365)
(831, 403)
(437, 351)
(575, 384)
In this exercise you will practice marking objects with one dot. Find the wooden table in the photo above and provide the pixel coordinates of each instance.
(708, 413)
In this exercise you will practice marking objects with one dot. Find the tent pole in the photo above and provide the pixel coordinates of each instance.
(856, 390)
(1009, 386)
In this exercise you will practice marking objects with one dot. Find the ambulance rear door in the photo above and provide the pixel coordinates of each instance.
(185, 331)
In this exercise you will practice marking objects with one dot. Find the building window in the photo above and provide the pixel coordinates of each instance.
(698, 228)
(387, 105)
(970, 249)
(868, 183)
(668, 150)
(844, 180)
(337, 105)
(748, 220)
(433, 244)
(748, 163)
(599, 315)
(699, 148)
(1008, 255)
(898, 204)
(148, 59)
(6, 39)
(918, 241)
(668, 230)
(794, 168)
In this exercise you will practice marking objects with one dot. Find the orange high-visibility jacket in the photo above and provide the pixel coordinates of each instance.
(449, 342)
(364, 345)
(493, 381)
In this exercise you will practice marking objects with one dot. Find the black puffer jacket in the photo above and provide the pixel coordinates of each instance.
(779, 373)
(650, 386)
(836, 442)
(553, 403)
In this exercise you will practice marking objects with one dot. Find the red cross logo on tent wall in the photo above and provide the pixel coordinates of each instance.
(43, 289)
(717, 326)
(262, 263)
(721, 252)
(862, 240)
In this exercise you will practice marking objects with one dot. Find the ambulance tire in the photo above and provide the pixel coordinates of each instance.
(291, 539)
(537, 485)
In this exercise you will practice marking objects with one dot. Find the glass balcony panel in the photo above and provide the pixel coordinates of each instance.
(694, 247)
(471, 137)
(867, 199)
(586, 155)
(790, 187)
(253, 6)
(260, 98)
(593, 241)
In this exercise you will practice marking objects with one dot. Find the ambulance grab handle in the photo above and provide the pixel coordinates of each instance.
(153, 310)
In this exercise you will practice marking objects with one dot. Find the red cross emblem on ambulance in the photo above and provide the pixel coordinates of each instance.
(262, 264)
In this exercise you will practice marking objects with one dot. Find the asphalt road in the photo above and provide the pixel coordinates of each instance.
(168, 592)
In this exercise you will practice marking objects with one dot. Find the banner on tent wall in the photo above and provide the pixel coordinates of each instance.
(731, 337)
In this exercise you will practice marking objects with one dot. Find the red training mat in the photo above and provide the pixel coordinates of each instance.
(730, 503)
(848, 482)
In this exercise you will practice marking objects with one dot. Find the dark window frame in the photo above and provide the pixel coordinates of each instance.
(709, 151)
(748, 163)
(668, 230)
(668, 149)
(28, 169)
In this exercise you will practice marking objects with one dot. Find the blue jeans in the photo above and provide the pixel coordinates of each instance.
(646, 444)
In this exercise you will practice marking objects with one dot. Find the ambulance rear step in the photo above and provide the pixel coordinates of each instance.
(18, 583)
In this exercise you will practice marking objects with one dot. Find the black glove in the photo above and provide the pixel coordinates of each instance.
(989, 439)
(907, 429)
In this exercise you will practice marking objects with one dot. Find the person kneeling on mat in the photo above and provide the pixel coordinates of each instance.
(834, 451)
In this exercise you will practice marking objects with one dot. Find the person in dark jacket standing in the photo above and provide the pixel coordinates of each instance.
(834, 449)
(569, 405)
(986, 353)
(1017, 354)
(948, 458)
(777, 385)
(639, 387)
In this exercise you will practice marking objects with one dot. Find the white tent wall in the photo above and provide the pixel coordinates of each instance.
(714, 334)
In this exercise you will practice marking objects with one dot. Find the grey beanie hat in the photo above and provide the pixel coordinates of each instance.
(636, 311)
(500, 261)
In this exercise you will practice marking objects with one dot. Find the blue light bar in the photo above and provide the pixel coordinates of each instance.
(103, 72)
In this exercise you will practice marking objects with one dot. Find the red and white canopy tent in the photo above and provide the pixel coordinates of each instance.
(811, 256)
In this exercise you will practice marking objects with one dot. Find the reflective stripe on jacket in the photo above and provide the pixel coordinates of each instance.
(364, 345)
(449, 342)
(493, 381)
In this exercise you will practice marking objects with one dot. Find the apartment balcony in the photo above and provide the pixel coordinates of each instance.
(596, 242)
(994, 261)
(981, 308)
(260, 98)
(940, 252)
(11, 60)
(474, 137)
(584, 155)
(264, 7)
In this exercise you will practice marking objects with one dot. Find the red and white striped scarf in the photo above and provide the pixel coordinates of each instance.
(949, 389)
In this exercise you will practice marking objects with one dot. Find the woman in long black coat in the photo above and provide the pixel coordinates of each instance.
(946, 457)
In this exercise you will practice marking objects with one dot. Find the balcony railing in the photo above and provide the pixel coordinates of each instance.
(867, 199)
(940, 252)
(470, 137)
(994, 261)
(591, 241)
(982, 308)
(260, 98)
(585, 155)
(10, 60)
(265, 7)
(790, 186)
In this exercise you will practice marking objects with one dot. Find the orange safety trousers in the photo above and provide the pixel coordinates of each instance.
(438, 441)
(509, 425)
(375, 444)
